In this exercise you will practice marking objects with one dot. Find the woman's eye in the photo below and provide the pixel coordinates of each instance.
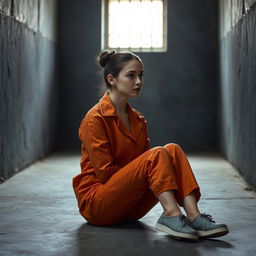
(132, 76)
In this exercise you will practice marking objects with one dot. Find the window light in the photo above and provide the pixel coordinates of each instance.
(138, 25)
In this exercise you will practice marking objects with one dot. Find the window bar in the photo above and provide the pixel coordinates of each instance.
(129, 34)
(165, 23)
(119, 47)
(140, 46)
(107, 34)
(151, 43)
(104, 31)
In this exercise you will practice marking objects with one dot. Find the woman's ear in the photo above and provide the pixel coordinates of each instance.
(111, 79)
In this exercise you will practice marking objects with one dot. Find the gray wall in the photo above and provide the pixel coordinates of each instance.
(238, 85)
(28, 84)
(180, 91)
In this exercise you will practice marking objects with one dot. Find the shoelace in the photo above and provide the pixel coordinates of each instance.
(184, 220)
(208, 217)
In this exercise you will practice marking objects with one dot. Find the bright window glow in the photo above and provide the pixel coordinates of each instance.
(135, 24)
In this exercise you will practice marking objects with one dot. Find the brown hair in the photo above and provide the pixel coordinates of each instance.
(113, 62)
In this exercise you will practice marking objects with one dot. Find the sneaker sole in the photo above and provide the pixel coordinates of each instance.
(213, 233)
(175, 233)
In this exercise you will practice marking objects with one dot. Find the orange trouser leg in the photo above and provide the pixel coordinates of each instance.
(185, 178)
(126, 194)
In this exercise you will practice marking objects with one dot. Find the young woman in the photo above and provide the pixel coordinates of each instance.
(122, 178)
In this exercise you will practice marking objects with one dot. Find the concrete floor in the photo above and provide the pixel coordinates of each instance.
(39, 215)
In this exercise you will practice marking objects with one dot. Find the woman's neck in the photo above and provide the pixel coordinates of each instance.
(119, 101)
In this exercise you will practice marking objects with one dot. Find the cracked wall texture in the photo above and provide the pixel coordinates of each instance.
(28, 82)
(238, 87)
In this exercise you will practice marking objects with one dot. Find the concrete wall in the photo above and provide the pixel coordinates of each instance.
(238, 85)
(180, 91)
(28, 83)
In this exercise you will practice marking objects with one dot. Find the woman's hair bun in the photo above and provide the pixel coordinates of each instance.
(104, 57)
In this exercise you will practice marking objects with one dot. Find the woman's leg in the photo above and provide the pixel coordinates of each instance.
(190, 206)
(149, 200)
(169, 203)
(113, 201)
(171, 208)
(189, 194)
(184, 175)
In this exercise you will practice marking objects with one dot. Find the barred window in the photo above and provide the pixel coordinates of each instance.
(135, 25)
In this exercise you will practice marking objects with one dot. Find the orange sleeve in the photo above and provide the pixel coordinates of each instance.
(94, 137)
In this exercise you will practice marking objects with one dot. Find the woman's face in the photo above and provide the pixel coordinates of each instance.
(130, 80)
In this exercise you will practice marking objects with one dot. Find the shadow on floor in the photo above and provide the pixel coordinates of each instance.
(138, 238)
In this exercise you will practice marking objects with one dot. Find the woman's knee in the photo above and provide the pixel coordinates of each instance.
(158, 150)
(173, 147)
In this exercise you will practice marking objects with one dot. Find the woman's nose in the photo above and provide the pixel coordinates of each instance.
(138, 80)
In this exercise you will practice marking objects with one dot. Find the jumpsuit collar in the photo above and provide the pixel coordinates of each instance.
(106, 106)
(107, 109)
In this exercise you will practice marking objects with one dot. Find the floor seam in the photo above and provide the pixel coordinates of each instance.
(227, 198)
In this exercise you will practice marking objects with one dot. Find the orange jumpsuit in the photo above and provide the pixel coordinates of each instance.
(121, 177)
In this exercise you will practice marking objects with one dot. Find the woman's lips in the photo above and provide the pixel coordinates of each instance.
(137, 89)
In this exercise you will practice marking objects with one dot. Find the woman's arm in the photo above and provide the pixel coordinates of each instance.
(94, 137)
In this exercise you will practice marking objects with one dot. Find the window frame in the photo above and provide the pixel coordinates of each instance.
(104, 31)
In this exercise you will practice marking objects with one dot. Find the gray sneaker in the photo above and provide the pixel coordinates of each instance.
(177, 226)
(206, 226)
